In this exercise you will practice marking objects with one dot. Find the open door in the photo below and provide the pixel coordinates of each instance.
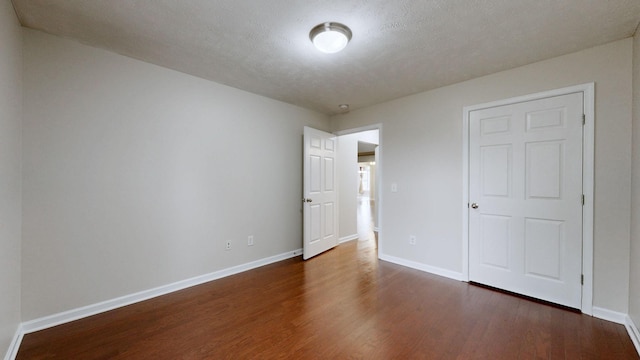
(320, 206)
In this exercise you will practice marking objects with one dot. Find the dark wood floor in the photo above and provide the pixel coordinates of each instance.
(344, 304)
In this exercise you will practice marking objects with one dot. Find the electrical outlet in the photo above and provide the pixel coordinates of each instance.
(228, 245)
(250, 240)
(412, 240)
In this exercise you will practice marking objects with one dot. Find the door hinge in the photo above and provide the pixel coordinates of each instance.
(582, 199)
(582, 279)
(584, 119)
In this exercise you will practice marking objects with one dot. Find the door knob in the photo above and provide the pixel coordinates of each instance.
(306, 200)
(474, 206)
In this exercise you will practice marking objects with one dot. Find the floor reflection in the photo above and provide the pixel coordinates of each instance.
(366, 234)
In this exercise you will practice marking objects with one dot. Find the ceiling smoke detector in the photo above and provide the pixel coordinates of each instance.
(330, 37)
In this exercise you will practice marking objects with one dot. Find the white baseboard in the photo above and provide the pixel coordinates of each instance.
(348, 238)
(422, 267)
(609, 315)
(12, 352)
(85, 311)
(634, 334)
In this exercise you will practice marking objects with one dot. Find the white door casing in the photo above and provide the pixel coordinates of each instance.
(526, 177)
(320, 207)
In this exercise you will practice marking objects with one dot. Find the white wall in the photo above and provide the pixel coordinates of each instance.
(428, 127)
(10, 202)
(634, 277)
(136, 175)
(348, 180)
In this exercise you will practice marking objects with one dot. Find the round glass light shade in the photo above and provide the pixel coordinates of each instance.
(330, 37)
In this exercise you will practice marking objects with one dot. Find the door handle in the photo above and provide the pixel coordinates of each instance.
(306, 200)
(474, 206)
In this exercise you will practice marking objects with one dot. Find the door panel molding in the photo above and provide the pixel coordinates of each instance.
(320, 217)
(499, 125)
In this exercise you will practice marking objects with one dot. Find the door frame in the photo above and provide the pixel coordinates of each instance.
(379, 170)
(588, 146)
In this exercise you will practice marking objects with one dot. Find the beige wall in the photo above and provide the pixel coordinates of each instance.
(634, 277)
(10, 203)
(136, 175)
(422, 153)
(347, 163)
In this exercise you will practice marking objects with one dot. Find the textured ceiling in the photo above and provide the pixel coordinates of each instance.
(399, 47)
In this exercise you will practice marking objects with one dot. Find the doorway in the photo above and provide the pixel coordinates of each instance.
(366, 220)
(358, 180)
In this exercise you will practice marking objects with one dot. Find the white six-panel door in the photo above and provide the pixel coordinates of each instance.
(525, 194)
(320, 196)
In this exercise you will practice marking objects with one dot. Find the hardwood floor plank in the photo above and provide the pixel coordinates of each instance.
(344, 304)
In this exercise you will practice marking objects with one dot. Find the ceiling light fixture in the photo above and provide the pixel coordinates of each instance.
(330, 37)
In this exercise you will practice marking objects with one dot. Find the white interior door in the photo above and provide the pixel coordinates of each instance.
(320, 196)
(525, 190)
